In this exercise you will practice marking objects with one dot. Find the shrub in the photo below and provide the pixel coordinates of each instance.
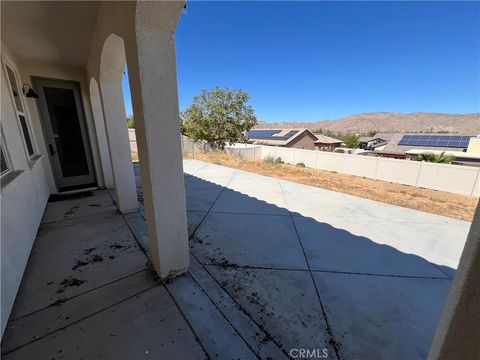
(436, 158)
(341, 151)
(270, 159)
(300, 165)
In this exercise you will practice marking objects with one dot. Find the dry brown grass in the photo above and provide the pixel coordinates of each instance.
(432, 201)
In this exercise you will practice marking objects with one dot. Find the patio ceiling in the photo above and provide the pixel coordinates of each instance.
(37, 30)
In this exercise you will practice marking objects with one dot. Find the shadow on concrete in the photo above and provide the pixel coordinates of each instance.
(310, 285)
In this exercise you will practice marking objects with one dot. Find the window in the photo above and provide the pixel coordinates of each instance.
(4, 166)
(4, 158)
(19, 107)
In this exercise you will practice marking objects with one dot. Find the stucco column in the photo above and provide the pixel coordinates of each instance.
(458, 332)
(116, 124)
(153, 83)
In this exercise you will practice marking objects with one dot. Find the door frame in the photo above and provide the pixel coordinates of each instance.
(62, 186)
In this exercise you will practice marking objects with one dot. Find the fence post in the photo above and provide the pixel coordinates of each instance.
(419, 174)
(375, 174)
(472, 193)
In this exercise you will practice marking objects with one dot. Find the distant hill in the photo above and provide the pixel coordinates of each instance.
(391, 122)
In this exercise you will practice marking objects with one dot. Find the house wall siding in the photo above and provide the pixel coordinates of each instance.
(304, 141)
(23, 199)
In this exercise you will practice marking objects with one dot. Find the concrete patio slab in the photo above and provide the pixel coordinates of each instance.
(75, 258)
(80, 205)
(378, 317)
(250, 292)
(381, 271)
(259, 341)
(247, 183)
(86, 293)
(201, 200)
(195, 183)
(329, 248)
(219, 175)
(215, 333)
(283, 302)
(122, 332)
(266, 203)
(440, 243)
(442, 238)
(22, 331)
(194, 218)
(248, 240)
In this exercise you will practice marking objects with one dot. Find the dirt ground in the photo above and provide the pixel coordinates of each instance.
(436, 202)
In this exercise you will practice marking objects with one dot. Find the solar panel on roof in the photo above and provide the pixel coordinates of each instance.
(269, 134)
(262, 134)
(452, 141)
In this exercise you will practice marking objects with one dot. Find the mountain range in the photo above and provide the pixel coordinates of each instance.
(391, 122)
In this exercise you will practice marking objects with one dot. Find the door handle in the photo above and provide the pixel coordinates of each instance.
(52, 151)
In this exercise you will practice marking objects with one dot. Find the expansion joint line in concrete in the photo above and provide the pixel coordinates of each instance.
(224, 316)
(260, 326)
(79, 294)
(220, 285)
(81, 319)
(197, 338)
(326, 271)
(332, 341)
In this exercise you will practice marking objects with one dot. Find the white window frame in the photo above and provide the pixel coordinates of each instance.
(6, 155)
(7, 65)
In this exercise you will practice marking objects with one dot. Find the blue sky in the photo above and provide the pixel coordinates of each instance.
(309, 61)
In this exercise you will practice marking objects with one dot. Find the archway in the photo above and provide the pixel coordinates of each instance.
(112, 64)
(101, 133)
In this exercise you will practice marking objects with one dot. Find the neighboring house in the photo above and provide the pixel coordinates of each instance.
(391, 154)
(63, 122)
(403, 142)
(292, 138)
(371, 143)
(465, 148)
(469, 156)
(326, 143)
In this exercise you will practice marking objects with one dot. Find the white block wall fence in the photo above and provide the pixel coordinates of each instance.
(444, 177)
(464, 180)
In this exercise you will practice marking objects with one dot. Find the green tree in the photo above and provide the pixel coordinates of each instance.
(218, 116)
(131, 122)
(436, 158)
(350, 140)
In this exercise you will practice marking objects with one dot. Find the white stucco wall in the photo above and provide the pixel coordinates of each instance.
(23, 199)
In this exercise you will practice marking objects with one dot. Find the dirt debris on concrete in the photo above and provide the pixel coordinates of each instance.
(71, 281)
(79, 264)
(72, 210)
(88, 251)
(58, 302)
